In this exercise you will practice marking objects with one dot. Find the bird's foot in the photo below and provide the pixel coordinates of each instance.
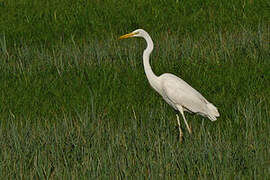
(190, 130)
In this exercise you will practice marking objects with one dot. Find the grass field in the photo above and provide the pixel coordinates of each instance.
(75, 102)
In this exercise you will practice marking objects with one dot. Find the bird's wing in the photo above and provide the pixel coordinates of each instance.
(181, 93)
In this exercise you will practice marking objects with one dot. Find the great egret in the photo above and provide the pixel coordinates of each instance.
(175, 91)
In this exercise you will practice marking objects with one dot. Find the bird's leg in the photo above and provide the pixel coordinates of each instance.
(180, 130)
(189, 129)
(182, 112)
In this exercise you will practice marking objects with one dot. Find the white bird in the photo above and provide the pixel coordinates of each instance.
(175, 91)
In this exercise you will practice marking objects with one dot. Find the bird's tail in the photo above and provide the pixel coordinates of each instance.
(212, 112)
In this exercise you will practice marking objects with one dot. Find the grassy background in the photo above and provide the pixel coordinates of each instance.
(75, 103)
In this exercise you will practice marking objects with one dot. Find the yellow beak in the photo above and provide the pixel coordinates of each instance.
(127, 35)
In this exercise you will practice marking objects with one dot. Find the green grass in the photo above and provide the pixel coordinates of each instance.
(75, 102)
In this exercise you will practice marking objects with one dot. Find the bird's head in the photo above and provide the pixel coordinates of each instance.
(136, 33)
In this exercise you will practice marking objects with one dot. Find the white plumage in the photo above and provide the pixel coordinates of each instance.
(175, 91)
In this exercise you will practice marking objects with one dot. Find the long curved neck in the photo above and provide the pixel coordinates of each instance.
(152, 78)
